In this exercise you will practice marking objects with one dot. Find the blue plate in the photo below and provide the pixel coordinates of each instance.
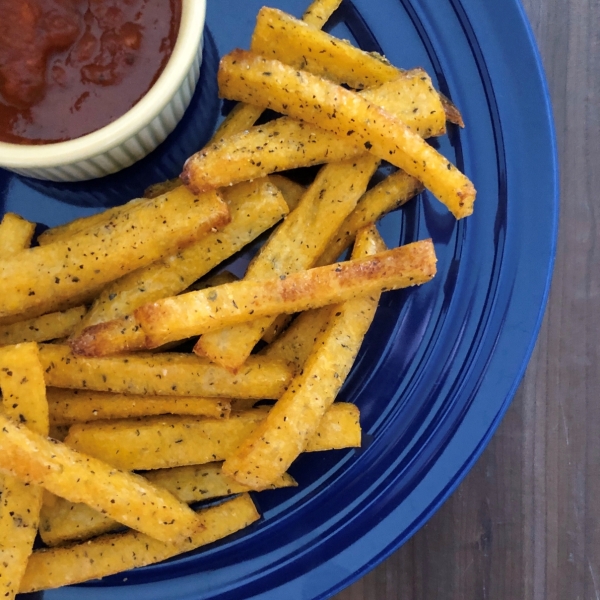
(442, 362)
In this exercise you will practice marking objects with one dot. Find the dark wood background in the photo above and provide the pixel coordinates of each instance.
(525, 522)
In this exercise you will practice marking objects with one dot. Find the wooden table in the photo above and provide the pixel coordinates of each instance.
(525, 522)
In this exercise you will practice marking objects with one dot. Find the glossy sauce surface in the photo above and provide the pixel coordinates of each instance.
(69, 67)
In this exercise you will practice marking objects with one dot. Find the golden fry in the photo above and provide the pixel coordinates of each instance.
(318, 13)
(279, 145)
(375, 202)
(251, 78)
(296, 342)
(80, 299)
(110, 554)
(168, 374)
(162, 442)
(198, 312)
(241, 117)
(202, 482)
(80, 406)
(411, 98)
(117, 336)
(279, 324)
(389, 194)
(278, 440)
(23, 386)
(64, 521)
(23, 398)
(43, 277)
(292, 191)
(15, 234)
(175, 441)
(279, 35)
(68, 230)
(47, 327)
(127, 498)
(339, 428)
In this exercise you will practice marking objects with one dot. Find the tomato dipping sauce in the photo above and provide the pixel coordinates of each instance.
(69, 67)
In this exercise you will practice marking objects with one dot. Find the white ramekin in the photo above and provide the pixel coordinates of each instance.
(135, 134)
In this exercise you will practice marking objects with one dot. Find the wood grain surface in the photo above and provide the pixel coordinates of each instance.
(525, 522)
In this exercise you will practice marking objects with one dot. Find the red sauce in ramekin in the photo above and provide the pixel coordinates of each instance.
(69, 67)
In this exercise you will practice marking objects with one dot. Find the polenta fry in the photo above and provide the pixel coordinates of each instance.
(279, 145)
(203, 482)
(23, 386)
(279, 35)
(110, 554)
(277, 441)
(41, 278)
(339, 428)
(80, 406)
(162, 442)
(15, 234)
(251, 78)
(117, 336)
(127, 498)
(208, 310)
(296, 342)
(46, 327)
(68, 230)
(389, 194)
(64, 521)
(292, 191)
(174, 441)
(318, 13)
(85, 297)
(241, 117)
(23, 398)
(166, 374)
(279, 324)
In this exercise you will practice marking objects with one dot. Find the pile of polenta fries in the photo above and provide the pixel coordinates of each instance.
(108, 433)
